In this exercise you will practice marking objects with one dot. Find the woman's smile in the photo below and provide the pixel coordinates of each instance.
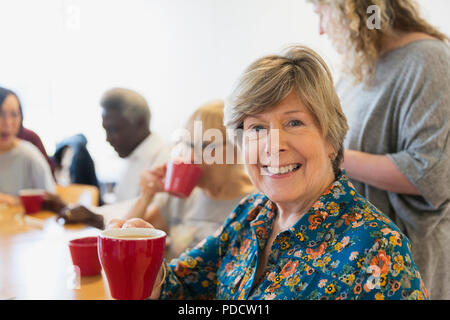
(282, 171)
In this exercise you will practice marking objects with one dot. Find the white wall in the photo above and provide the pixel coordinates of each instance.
(60, 56)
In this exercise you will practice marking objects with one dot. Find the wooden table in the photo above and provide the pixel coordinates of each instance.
(35, 261)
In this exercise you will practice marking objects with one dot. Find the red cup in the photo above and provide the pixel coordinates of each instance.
(181, 178)
(85, 256)
(31, 200)
(131, 259)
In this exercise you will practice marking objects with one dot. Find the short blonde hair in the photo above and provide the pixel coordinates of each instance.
(362, 45)
(270, 79)
(211, 116)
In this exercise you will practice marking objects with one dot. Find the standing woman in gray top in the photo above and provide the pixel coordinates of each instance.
(395, 93)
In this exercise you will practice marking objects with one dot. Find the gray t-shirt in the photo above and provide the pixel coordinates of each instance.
(24, 167)
(405, 115)
(193, 219)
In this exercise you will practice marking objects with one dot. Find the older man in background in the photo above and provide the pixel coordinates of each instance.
(126, 120)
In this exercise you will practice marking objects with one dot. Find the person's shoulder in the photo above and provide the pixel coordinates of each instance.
(369, 212)
(375, 228)
(362, 216)
(430, 47)
(27, 149)
(29, 153)
(426, 55)
(383, 251)
(153, 150)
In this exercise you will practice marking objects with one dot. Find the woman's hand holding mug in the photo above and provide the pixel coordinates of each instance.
(152, 181)
(140, 223)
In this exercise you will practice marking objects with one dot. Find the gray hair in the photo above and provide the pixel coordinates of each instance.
(270, 79)
(129, 103)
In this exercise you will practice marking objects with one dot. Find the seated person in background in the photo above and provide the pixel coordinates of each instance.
(22, 165)
(308, 234)
(222, 186)
(33, 137)
(126, 120)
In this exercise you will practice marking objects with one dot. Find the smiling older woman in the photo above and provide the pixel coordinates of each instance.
(308, 234)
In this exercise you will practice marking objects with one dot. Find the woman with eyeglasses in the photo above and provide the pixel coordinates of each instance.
(220, 189)
(22, 166)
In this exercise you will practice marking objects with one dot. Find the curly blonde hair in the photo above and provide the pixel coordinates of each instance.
(362, 45)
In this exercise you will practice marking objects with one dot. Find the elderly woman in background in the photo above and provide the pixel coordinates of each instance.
(395, 91)
(219, 191)
(22, 165)
(308, 234)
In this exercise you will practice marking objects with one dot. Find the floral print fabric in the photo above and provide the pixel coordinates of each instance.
(342, 248)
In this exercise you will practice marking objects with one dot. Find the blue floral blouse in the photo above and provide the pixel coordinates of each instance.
(342, 248)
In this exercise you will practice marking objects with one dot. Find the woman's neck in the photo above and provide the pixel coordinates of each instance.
(9, 147)
(290, 212)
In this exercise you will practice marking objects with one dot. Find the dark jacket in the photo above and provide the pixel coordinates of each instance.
(82, 169)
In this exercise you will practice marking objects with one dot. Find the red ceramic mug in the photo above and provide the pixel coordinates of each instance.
(31, 199)
(85, 255)
(131, 259)
(181, 178)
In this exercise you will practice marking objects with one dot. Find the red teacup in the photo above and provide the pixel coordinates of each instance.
(85, 255)
(131, 259)
(181, 178)
(31, 200)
